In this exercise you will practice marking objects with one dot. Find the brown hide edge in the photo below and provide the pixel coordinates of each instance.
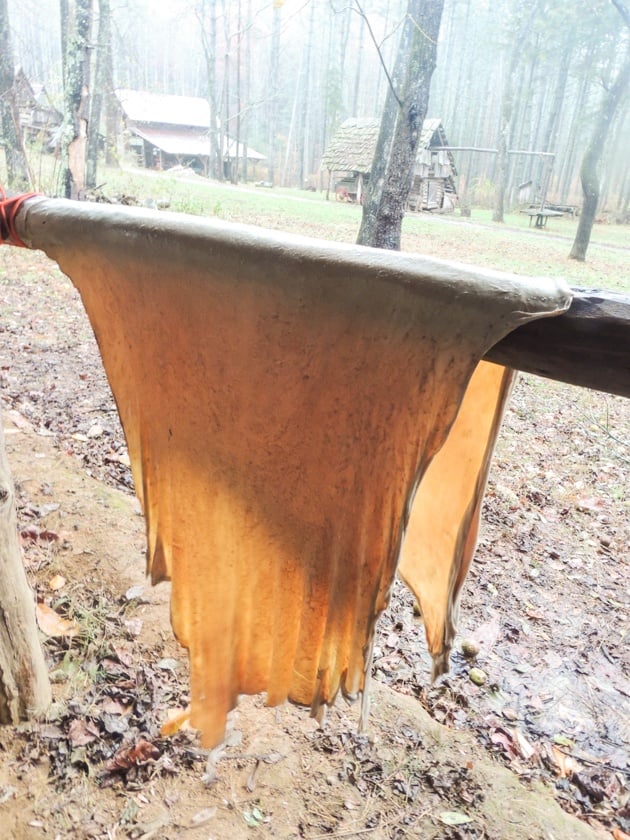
(442, 532)
(281, 399)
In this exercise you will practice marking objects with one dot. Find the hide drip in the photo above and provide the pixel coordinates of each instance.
(282, 400)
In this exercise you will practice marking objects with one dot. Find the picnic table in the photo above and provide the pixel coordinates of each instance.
(541, 215)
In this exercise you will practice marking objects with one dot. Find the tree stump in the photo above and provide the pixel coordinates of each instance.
(24, 686)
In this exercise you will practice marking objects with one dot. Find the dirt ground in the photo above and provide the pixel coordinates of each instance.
(538, 750)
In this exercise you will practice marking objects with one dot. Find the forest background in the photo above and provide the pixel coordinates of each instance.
(281, 77)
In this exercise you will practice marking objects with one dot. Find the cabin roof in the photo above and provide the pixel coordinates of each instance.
(353, 146)
(139, 106)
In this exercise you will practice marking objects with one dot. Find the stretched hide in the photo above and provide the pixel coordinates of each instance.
(442, 531)
(282, 399)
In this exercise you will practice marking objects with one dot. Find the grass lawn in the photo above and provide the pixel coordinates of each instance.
(511, 246)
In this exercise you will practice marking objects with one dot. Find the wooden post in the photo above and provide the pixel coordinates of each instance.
(24, 687)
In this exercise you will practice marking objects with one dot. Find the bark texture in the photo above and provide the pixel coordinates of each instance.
(24, 686)
(76, 102)
(401, 126)
(101, 91)
(611, 101)
(18, 177)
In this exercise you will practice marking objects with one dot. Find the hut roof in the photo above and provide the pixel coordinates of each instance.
(353, 146)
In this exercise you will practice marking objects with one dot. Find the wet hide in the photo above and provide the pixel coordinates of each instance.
(282, 399)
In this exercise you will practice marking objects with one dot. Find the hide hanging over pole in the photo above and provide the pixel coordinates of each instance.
(282, 400)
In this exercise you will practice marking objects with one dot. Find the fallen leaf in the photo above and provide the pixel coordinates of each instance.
(203, 816)
(254, 817)
(56, 582)
(82, 732)
(52, 624)
(115, 707)
(115, 724)
(169, 665)
(503, 739)
(526, 749)
(563, 741)
(454, 818)
(129, 757)
(124, 653)
(565, 764)
(33, 534)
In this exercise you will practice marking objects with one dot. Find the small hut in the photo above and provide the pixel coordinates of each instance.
(38, 116)
(349, 157)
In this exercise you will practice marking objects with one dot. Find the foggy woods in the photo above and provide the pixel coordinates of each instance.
(282, 77)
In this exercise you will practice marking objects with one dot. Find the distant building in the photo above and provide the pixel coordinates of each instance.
(166, 131)
(39, 118)
(349, 157)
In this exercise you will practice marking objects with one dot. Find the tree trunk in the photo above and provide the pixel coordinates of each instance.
(592, 157)
(507, 108)
(76, 103)
(239, 104)
(103, 48)
(274, 98)
(570, 151)
(64, 21)
(18, 177)
(24, 687)
(209, 44)
(401, 126)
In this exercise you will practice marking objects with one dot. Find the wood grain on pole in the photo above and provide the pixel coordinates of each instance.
(589, 345)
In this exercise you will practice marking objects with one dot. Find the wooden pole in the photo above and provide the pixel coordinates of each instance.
(589, 345)
(24, 687)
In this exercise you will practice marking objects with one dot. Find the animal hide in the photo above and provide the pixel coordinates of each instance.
(282, 399)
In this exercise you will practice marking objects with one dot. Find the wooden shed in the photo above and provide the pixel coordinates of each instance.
(349, 157)
(166, 131)
(38, 116)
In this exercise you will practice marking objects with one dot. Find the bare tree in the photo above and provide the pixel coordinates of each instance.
(101, 91)
(76, 98)
(507, 115)
(18, 177)
(613, 96)
(207, 15)
(401, 126)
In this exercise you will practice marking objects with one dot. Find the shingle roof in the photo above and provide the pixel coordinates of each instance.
(353, 146)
